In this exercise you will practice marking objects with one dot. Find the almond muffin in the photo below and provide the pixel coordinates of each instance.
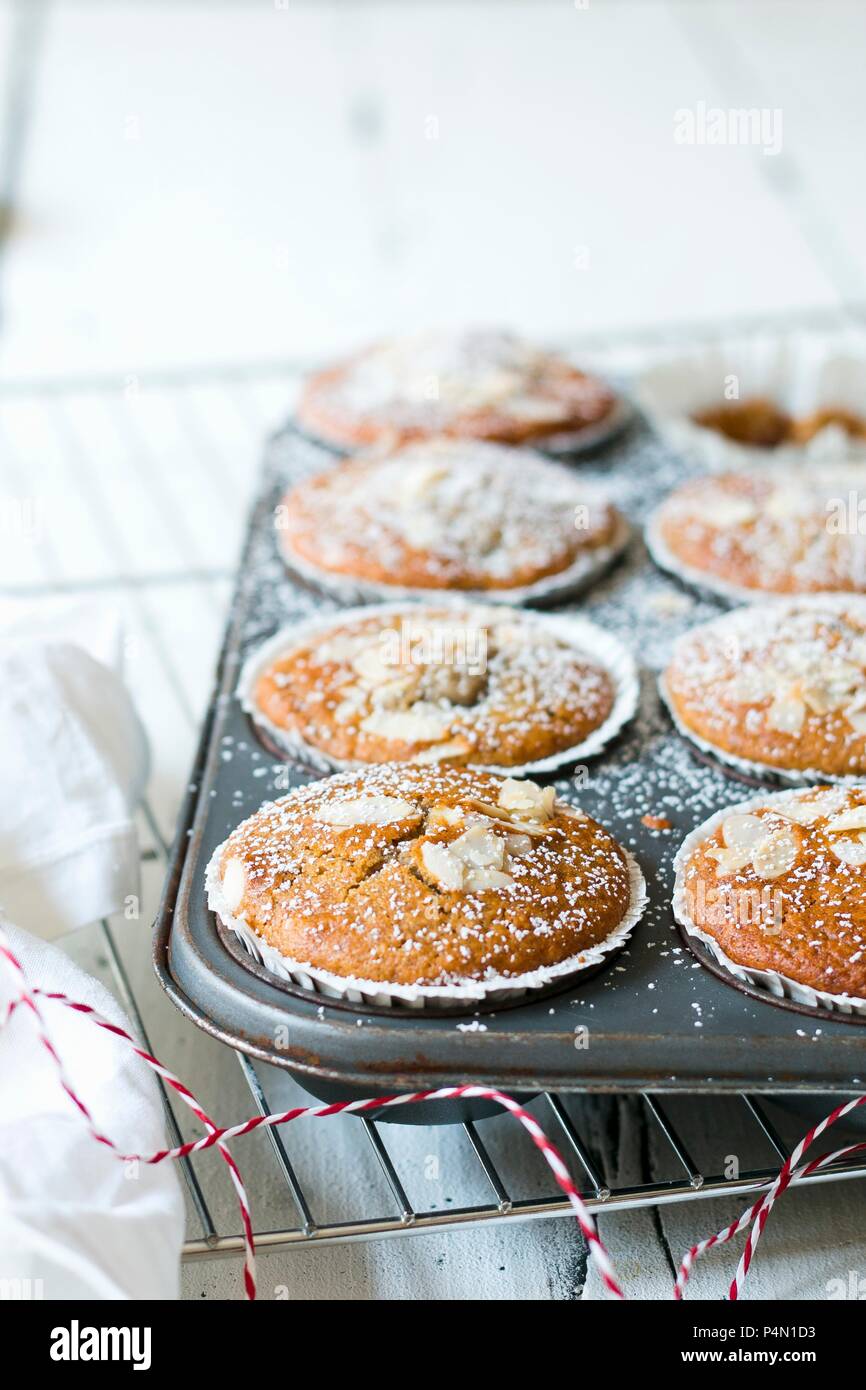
(781, 685)
(413, 881)
(782, 531)
(447, 515)
(779, 884)
(493, 687)
(761, 424)
(478, 384)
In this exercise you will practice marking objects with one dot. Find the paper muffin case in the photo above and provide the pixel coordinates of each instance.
(498, 989)
(570, 443)
(554, 588)
(588, 640)
(792, 777)
(801, 372)
(776, 985)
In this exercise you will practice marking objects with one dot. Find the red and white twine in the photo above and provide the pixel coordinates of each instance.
(755, 1216)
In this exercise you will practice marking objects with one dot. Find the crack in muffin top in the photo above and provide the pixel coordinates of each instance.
(446, 515)
(409, 875)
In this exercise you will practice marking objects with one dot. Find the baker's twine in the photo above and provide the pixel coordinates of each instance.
(217, 1137)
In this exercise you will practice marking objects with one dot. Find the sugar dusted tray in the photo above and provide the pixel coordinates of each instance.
(654, 1017)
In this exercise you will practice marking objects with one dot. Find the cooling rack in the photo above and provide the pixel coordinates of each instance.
(138, 485)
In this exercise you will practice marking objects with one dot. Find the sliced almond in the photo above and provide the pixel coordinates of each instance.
(518, 846)
(421, 724)
(445, 815)
(445, 869)
(853, 819)
(857, 720)
(805, 812)
(372, 665)
(743, 832)
(851, 852)
(776, 854)
(234, 883)
(506, 820)
(730, 861)
(787, 714)
(479, 848)
(367, 810)
(721, 510)
(455, 748)
(478, 880)
(534, 802)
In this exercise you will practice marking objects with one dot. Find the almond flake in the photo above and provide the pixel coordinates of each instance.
(853, 819)
(445, 815)
(367, 810)
(234, 883)
(851, 852)
(729, 861)
(722, 510)
(444, 868)
(743, 832)
(423, 724)
(535, 802)
(478, 880)
(776, 854)
(786, 714)
(806, 812)
(479, 848)
(455, 748)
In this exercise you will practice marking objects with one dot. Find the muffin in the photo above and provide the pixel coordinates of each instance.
(781, 686)
(488, 686)
(777, 531)
(761, 424)
(447, 514)
(776, 886)
(424, 885)
(478, 384)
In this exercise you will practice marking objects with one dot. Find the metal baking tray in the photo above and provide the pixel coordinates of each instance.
(654, 1018)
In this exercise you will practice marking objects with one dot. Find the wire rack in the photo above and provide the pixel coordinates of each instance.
(120, 462)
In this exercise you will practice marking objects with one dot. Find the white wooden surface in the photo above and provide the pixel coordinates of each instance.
(234, 183)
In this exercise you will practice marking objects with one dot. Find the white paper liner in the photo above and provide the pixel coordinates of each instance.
(497, 989)
(584, 570)
(572, 442)
(801, 372)
(777, 985)
(589, 641)
(741, 617)
(708, 585)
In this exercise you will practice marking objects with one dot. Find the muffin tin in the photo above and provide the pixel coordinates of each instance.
(652, 1018)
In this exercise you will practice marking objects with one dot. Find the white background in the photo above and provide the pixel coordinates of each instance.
(200, 184)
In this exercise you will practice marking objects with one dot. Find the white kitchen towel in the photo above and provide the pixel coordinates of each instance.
(76, 1221)
(74, 760)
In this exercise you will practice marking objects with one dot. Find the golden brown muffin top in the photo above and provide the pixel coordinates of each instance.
(777, 530)
(446, 515)
(410, 875)
(783, 887)
(482, 685)
(780, 684)
(481, 384)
